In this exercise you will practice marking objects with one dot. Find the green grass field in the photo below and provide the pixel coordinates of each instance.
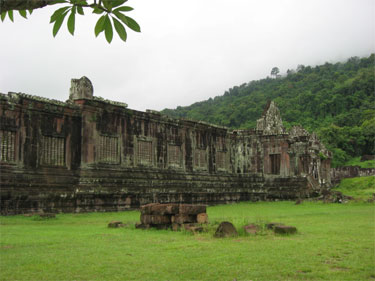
(334, 242)
(361, 188)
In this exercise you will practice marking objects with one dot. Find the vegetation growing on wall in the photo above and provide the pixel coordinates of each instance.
(335, 100)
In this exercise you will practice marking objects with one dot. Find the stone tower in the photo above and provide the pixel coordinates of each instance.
(271, 123)
(81, 89)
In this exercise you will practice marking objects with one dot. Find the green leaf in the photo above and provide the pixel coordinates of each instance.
(80, 10)
(120, 16)
(58, 23)
(116, 3)
(23, 13)
(31, 11)
(97, 11)
(107, 4)
(123, 9)
(132, 24)
(99, 27)
(58, 13)
(3, 15)
(71, 20)
(108, 29)
(120, 29)
(10, 15)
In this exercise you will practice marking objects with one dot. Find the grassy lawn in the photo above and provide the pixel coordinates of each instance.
(361, 188)
(334, 242)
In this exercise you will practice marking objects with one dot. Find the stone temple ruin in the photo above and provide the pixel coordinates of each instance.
(91, 154)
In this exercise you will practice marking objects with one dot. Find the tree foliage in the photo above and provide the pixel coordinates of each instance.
(112, 14)
(335, 100)
(275, 71)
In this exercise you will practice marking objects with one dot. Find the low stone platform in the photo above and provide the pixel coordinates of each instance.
(175, 216)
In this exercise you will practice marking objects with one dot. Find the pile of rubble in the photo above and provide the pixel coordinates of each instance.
(175, 216)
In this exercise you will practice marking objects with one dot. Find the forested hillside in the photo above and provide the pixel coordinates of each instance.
(335, 100)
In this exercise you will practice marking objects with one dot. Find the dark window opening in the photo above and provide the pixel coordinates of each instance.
(304, 163)
(315, 170)
(7, 146)
(144, 152)
(275, 163)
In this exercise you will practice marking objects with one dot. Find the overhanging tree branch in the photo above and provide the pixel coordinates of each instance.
(10, 5)
(111, 11)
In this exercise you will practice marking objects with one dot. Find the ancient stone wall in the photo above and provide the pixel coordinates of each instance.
(339, 173)
(90, 154)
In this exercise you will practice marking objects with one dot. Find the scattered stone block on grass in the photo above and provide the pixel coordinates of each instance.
(115, 224)
(176, 226)
(202, 218)
(159, 209)
(161, 226)
(164, 216)
(226, 229)
(272, 225)
(182, 218)
(252, 228)
(193, 228)
(192, 209)
(285, 229)
(142, 226)
(155, 219)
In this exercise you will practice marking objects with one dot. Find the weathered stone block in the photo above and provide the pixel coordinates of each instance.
(155, 219)
(284, 229)
(160, 209)
(142, 226)
(272, 225)
(147, 209)
(192, 209)
(202, 218)
(176, 226)
(182, 218)
(115, 224)
(162, 226)
(252, 228)
(81, 89)
(192, 227)
(226, 229)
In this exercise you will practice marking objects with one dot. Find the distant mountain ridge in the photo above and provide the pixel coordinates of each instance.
(335, 100)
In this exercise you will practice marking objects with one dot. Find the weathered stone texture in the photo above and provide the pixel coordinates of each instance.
(81, 89)
(337, 174)
(90, 154)
(252, 228)
(284, 229)
(175, 216)
(225, 229)
(202, 218)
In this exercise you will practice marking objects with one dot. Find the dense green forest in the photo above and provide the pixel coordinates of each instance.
(337, 101)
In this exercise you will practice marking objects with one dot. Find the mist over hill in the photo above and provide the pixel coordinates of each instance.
(337, 101)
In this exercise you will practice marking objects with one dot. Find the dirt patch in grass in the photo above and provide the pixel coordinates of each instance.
(339, 268)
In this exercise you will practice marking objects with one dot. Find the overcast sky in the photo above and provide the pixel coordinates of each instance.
(188, 51)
